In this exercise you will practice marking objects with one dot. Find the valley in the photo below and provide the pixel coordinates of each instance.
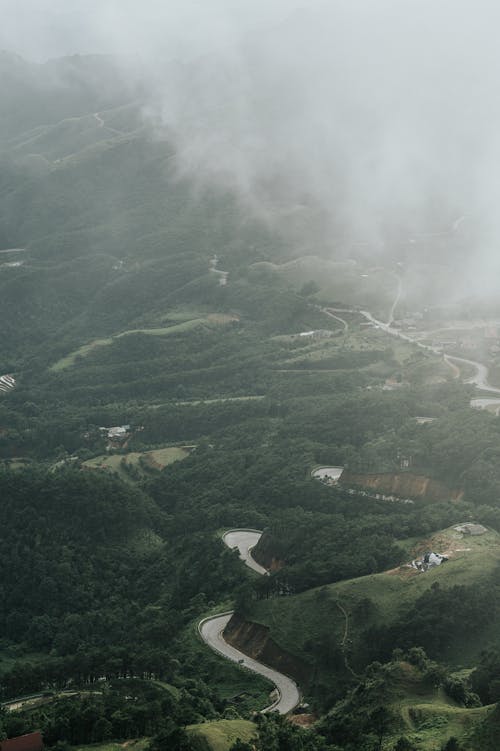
(175, 364)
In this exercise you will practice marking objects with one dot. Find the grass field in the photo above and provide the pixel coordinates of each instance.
(157, 459)
(221, 734)
(307, 617)
(211, 319)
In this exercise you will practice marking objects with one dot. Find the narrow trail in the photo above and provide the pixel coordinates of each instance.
(343, 643)
(211, 629)
(395, 304)
(102, 124)
(327, 312)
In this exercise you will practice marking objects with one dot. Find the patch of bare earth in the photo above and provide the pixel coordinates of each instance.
(303, 720)
(444, 544)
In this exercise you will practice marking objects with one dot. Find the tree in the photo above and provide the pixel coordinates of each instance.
(451, 744)
(171, 738)
(380, 722)
(403, 744)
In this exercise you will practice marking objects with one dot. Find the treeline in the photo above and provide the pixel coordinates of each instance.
(440, 618)
(349, 537)
(129, 708)
(94, 574)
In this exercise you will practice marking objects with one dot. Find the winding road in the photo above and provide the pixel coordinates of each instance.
(480, 377)
(245, 540)
(211, 629)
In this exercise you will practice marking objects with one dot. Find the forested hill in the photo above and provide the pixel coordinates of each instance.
(175, 365)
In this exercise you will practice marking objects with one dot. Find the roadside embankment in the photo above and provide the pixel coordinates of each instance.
(403, 485)
(254, 640)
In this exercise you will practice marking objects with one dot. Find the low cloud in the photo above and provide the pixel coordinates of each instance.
(380, 118)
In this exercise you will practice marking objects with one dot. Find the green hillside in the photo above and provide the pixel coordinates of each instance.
(347, 624)
(220, 735)
(144, 312)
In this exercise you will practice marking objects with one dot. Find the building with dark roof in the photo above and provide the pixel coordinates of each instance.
(29, 742)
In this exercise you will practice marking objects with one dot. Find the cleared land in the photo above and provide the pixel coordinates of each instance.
(212, 319)
(157, 459)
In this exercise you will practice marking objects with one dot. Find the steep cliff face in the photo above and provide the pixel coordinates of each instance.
(264, 553)
(403, 485)
(253, 640)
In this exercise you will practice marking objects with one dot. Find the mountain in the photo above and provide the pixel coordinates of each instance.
(179, 362)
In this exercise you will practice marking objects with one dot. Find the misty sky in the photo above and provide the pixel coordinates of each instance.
(379, 111)
(39, 29)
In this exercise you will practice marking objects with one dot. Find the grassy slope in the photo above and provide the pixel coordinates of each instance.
(156, 459)
(428, 717)
(310, 616)
(221, 734)
(84, 350)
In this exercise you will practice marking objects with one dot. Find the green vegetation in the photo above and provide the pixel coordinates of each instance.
(348, 624)
(116, 319)
(187, 325)
(221, 734)
(136, 465)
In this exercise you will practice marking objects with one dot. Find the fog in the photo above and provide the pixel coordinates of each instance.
(373, 124)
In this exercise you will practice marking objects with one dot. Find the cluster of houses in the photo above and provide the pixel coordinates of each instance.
(117, 435)
(429, 560)
(7, 382)
(482, 340)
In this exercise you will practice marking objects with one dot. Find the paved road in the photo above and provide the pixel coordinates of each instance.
(480, 378)
(484, 403)
(245, 540)
(211, 630)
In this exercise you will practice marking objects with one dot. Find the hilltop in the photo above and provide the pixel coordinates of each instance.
(344, 626)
